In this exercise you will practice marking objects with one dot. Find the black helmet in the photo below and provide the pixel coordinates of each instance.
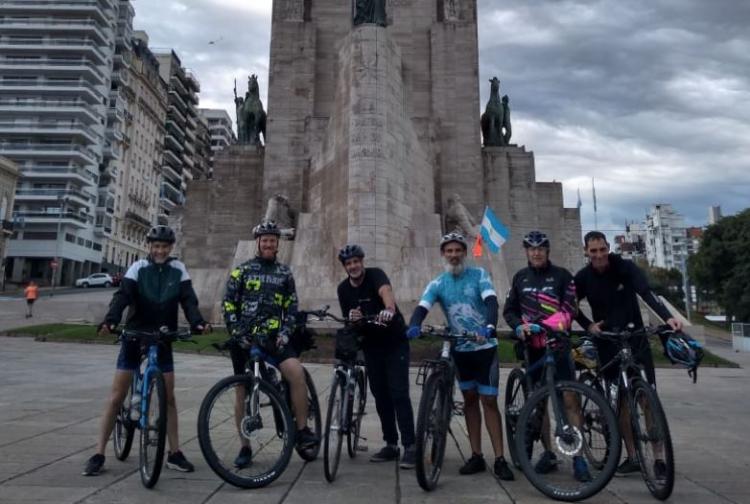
(161, 234)
(535, 239)
(349, 251)
(267, 227)
(453, 236)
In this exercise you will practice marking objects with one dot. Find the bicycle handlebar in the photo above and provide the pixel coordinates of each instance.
(446, 333)
(182, 334)
(630, 333)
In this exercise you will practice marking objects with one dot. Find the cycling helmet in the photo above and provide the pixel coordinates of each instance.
(586, 354)
(267, 227)
(161, 234)
(535, 239)
(684, 350)
(349, 251)
(454, 236)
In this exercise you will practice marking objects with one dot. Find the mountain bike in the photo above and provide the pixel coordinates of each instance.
(437, 378)
(347, 398)
(145, 407)
(651, 437)
(571, 463)
(253, 412)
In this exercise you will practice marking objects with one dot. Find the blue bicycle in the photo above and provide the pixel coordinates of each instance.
(145, 408)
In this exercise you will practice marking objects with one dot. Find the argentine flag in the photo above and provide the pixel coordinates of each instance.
(493, 232)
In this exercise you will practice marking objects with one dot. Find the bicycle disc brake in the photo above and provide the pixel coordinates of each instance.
(570, 441)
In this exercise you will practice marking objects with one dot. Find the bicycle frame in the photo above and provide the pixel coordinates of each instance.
(141, 381)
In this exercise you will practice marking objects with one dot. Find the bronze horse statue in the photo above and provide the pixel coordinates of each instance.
(251, 118)
(496, 118)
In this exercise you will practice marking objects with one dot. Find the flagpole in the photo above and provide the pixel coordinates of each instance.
(593, 193)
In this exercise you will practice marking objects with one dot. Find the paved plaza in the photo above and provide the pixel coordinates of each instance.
(52, 395)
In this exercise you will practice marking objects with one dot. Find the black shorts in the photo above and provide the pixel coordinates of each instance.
(129, 358)
(478, 370)
(241, 356)
(641, 354)
(30, 301)
(564, 367)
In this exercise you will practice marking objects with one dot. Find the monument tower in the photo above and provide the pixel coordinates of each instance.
(374, 138)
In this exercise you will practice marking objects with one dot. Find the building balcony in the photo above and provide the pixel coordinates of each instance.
(176, 99)
(67, 109)
(33, 87)
(70, 195)
(52, 218)
(171, 192)
(61, 67)
(188, 160)
(81, 26)
(170, 142)
(176, 83)
(189, 148)
(72, 128)
(90, 8)
(171, 174)
(172, 159)
(137, 219)
(58, 173)
(34, 150)
(192, 81)
(54, 46)
(112, 150)
(175, 129)
(177, 115)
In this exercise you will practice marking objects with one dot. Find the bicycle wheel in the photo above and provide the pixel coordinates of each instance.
(154, 430)
(124, 430)
(357, 408)
(334, 435)
(515, 396)
(433, 421)
(234, 414)
(652, 440)
(313, 418)
(564, 446)
(593, 430)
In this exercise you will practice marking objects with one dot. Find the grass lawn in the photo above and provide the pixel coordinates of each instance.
(425, 348)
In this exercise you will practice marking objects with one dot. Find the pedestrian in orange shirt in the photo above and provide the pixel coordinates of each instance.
(31, 292)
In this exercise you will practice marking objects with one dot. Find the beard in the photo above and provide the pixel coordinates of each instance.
(454, 270)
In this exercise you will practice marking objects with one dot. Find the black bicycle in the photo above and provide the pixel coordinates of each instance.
(650, 429)
(554, 450)
(145, 407)
(251, 414)
(347, 398)
(437, 378)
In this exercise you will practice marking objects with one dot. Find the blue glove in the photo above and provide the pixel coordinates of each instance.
(488, 332)
(413, 332)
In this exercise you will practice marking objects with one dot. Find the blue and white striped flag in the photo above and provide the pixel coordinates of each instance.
(493, 232)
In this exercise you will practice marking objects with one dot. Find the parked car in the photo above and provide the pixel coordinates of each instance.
(97, 279)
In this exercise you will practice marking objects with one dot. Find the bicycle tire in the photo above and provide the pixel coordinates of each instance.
(433, 421)
(529, 430)
(515, 397)
(659, 429)
(333, 434)
(313, 414)
(151, 464)
(124, 430)
(359, 401)
(591, 426)
(219, 431)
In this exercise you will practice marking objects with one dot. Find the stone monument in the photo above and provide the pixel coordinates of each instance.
(373, 138)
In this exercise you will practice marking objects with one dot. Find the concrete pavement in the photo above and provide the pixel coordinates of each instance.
(52, 395)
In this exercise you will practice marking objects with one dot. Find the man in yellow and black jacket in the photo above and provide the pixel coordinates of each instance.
(260, 303)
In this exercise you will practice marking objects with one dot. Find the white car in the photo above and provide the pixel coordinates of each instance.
(94, 280)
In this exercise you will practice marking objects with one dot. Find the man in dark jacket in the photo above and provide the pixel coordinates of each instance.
(153, 289)
(611, 285)
(368, 292)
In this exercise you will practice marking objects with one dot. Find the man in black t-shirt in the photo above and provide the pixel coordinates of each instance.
(611, 285)
(368, 292)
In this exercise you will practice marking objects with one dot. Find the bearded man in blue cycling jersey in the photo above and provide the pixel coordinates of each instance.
(469, 302)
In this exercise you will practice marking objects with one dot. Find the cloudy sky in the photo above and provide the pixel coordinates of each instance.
(651, 98)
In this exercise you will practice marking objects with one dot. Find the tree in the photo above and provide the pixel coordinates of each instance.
(722, 265)
(666, 282)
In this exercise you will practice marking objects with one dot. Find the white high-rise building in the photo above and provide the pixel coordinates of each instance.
(56, 62)
(220, 127)
(666, 238)
(714, 214)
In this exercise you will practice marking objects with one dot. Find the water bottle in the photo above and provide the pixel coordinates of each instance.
(135, 407)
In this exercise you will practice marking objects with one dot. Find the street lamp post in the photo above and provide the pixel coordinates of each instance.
(56, 264)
